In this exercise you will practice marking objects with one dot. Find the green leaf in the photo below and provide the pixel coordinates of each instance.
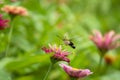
(23, 62)
(4, 75)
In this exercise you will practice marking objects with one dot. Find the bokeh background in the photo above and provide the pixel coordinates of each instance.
(46, 20)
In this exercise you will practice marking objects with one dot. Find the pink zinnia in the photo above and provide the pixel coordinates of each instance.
(3, 23)
(75, 73)
(106, 42)
(58, 53)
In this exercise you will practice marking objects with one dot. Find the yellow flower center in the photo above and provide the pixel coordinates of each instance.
(56, 48)
(75, 69)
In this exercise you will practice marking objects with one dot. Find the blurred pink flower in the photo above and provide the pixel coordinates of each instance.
(58, 53)
(14, 10)
(106, 42)
(3, 23)
(13, 0)
(75, 73)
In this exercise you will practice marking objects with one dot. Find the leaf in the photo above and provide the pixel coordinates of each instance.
(4, 75)
(26, 78)
(112, 76)
(23, 62)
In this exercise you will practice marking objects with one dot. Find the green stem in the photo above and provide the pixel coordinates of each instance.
(71, 78)
(9, 38)
(107, 66)
(100, 64)
(49, 69)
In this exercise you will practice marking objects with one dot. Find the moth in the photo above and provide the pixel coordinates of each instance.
(67, 41)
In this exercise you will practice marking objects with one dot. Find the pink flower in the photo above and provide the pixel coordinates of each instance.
(75, 73)
(15, 10)
(58, 53)
(3, 23)
(106, 42)
(13, 0)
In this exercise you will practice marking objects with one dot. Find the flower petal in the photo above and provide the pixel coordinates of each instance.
(108, 38)
(76, 73)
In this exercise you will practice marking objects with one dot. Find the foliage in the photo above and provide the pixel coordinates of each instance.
(46, 20)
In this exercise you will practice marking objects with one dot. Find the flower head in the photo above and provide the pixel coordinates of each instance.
(3, 23)
(110, 59)
(14, 10)
(58, 53)
(106, 42)
(75, 73)
(1, 1)
(13, 0)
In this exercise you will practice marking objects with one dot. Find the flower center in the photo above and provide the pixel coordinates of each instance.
(75, 69)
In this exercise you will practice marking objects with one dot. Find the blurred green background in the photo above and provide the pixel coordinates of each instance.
(46, 20)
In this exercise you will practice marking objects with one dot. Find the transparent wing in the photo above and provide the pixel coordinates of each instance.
(66, 36)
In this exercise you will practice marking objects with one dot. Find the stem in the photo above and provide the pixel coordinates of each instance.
(100, 64)
(71, 78)
(49, 69)
(9, 38)
(106, 68)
